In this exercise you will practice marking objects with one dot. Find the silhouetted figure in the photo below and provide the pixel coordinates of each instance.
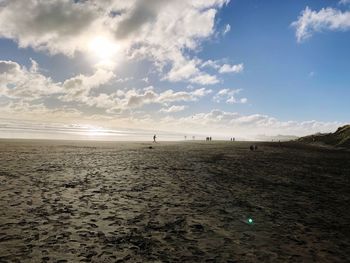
(233, 139)
(209, 138)
(251, 147)
(154, 138)
(255, 147)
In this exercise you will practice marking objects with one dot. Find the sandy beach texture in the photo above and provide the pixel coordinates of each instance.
(177, 202)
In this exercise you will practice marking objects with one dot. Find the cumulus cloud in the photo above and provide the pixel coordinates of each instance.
(131, 99)
(211, 63)
(188, 70)
(311, 21)
(229, 96)
(21, 85)
(174, 108)
(19, 82)
(223, 68)
(79, 87)
(136, 98)
(226, 68)
(161, 31)
(8, 68)
(204, 79)
(56, 26)
(141, 13)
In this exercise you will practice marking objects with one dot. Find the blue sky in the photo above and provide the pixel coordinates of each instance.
(239, 67)
(286, 79)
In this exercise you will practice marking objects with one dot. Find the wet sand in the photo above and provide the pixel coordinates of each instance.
(177, 202)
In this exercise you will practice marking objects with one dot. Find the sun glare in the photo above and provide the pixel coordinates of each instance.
(96, 132)
(103, 48)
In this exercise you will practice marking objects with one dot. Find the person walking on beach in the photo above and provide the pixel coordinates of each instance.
(154, 138)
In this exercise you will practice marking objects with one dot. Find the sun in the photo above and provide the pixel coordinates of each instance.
(103, 48)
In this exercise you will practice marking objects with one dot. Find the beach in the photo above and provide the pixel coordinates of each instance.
(194, 201)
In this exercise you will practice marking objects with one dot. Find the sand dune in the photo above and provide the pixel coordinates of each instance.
(339, 138)
(177, 202)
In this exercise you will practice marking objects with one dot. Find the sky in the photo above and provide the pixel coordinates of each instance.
(124, 70)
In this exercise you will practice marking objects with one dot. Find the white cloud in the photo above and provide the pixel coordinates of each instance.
(229, 96)
(161, 31)
(137, 98)
(223, 68)
(227, 29)
(79, 87)
(183, 71)
(311, 21)
(18, 82)
(204, 79)
(188, 70)
(174, 108)
(211, 63)
(20, 85)
(226, 68)
(56, 26)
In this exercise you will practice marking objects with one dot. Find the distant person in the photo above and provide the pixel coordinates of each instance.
(154, 138)
(255, 147)
(251, 147)
(209, 138)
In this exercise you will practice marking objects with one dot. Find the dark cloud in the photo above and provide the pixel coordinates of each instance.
(143, 12)
(41, 17)
(8, 67)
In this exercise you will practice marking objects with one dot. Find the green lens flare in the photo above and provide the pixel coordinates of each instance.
(250, 221)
